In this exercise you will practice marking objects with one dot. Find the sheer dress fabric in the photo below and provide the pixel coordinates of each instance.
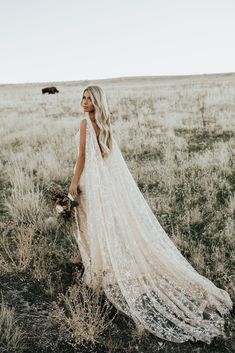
(125, 250)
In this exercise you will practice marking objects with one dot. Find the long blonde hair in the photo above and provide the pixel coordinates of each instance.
(102, 118)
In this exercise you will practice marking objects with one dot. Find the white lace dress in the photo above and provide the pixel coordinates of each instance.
(126, 251)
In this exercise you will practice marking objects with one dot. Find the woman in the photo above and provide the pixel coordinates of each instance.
(125, 250)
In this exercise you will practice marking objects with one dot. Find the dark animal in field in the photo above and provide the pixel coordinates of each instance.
(50, 90)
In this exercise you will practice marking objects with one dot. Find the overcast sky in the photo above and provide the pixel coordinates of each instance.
(63, 40)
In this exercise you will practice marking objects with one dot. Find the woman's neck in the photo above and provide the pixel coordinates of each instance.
(92, 117)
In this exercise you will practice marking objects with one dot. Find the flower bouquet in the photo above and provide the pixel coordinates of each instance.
(65, 205)
(63, 201)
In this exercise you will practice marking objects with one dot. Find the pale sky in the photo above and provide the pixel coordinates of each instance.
(64, 40)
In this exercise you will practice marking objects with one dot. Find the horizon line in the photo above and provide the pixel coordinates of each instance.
(120, 77)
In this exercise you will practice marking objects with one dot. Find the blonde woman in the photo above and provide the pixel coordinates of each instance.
(125, 250)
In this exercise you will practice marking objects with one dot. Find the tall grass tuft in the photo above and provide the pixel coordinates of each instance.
(16, 248)
(12, 338)
(81, 311)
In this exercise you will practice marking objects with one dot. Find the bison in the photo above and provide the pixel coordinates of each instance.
(49, 90)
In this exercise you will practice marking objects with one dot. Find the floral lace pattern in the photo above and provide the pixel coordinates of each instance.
(126, 251)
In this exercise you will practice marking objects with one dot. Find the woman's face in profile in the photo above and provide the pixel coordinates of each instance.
(87, 103)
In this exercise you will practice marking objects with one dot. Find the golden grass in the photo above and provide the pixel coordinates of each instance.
(12, 338)
(81, 311)
(16, 248)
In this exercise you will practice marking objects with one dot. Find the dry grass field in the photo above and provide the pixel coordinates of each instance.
(177, 135)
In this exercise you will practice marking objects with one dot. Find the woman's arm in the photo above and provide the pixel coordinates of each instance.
(80, 159)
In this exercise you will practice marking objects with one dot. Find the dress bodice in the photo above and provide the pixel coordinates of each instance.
(93, 132)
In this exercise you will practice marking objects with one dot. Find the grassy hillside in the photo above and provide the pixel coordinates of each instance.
(177, 135)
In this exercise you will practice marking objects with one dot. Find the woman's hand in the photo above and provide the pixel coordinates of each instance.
(73, 188)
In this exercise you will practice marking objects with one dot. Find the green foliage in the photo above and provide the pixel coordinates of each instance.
(200, 140)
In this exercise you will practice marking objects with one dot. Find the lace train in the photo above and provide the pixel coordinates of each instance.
(130, 255)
